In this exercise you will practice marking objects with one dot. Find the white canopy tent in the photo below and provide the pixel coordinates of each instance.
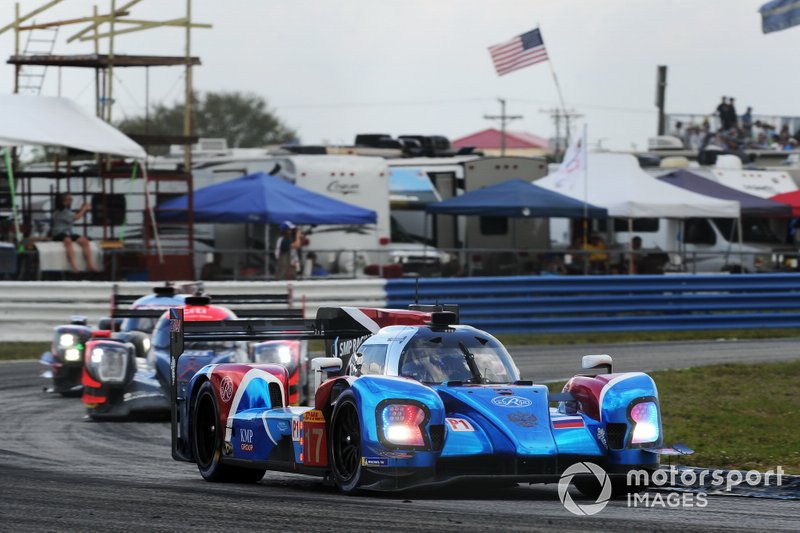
(617, 182)
(54, 121)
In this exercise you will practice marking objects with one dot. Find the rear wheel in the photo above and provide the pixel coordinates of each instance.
(345, 445)
(207, 442)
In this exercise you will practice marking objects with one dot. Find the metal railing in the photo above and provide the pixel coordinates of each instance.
(132, 264)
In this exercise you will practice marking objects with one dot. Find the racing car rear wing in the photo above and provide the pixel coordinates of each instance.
(229, 300)
(338, 326)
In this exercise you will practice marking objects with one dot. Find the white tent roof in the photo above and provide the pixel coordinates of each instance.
(617, 182)
(51, 121)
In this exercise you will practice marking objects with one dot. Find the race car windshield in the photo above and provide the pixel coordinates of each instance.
(143, 324)
(468, 359)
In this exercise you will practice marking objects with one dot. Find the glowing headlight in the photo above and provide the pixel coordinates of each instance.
(66, 339)
(109, 361)
(146, 344)
(402, 424)
(645, 423)
(72, 354)
(278, 352)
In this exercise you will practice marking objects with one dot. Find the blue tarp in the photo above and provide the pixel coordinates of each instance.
(779, 15)
(264, 199)
(750, 205)
(515, 198)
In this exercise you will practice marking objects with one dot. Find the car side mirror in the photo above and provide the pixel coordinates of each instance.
(593, 362)
(326, 365)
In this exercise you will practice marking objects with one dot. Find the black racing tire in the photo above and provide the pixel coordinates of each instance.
(207, 436)
(591, 488)
(344, 450)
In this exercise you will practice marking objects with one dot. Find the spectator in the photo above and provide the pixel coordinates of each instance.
(635, 256)
(694, 139)
(747, 123)
(63, 219)
(723, 113)
(287, 251)
(598, 256)
(313, 268)
(678, 131)
(733, 118)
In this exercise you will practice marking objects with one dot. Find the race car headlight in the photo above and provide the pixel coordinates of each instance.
(65, 340)
(109, 361)
(284, 353)
(72, 354)
(146, 344)
(403, 424)
(644, 416)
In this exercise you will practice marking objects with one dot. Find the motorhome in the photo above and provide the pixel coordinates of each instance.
(489, 240)
(701, 244)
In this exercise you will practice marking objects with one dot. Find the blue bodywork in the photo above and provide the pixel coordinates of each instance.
(489, 423)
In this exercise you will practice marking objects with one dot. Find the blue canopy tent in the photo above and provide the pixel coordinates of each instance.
(751, 206)
(263, 199)
(516, 198)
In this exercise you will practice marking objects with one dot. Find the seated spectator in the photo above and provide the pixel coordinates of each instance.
(63, 219)
(598, 256)
(313, 268)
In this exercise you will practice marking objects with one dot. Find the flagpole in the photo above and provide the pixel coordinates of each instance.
(585, 154)
(560, 96)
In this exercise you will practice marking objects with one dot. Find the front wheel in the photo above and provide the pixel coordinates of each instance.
(207, 442)
(345, 445)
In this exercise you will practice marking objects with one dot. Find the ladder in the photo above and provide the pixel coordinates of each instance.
(40, 42)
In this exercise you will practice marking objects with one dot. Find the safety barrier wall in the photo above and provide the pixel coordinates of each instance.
(544, 304)
(30, 310)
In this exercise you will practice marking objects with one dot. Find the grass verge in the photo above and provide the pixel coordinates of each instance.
(22, 350)
(734, 416)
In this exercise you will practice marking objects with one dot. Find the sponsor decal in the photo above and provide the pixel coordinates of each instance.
(601, 437)
(297, 428)
(567, 424)
(526, 420)
(459, 424)
(391, 454)
(343, 188)
(511, 401)
(226, 389)
(246, 440)
(314, 416)
(349, 346)
(374, 461)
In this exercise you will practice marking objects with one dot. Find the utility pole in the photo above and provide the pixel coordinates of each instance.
(503, 120)
(661, 91)
(558, 114)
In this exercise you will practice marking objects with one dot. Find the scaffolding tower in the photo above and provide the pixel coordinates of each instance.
(31, 61)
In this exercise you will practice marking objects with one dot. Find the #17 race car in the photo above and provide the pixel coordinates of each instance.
(119, 383)
(415, 400)
(64, 362)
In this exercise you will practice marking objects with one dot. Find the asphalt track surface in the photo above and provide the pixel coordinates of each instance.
(61, 472)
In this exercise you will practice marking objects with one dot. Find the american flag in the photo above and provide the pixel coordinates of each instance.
(521, 51)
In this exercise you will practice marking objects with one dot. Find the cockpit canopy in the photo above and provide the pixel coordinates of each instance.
(436, 356)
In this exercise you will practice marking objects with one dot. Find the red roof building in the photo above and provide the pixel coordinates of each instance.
(517, 143)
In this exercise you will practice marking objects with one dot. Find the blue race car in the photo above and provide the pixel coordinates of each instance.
(122, 381)
(419, 400)
(65, 360)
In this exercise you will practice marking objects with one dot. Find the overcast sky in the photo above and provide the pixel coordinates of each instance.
(331, 69)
